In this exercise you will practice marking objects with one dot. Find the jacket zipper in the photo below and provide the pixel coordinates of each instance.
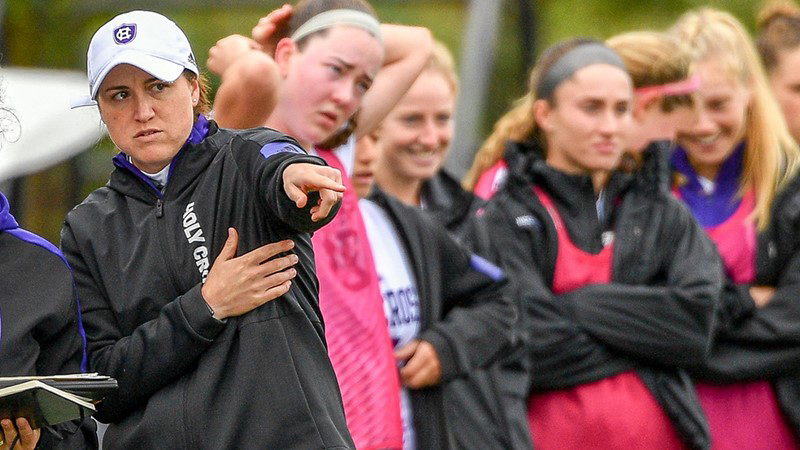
(159, 208)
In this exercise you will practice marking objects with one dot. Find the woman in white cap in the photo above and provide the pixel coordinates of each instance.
(172, 268)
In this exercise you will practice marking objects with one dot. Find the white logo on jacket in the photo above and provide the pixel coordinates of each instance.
(194, 234)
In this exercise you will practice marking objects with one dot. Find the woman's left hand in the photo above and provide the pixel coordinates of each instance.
(28, 437)
(301, 178)
(422, 368)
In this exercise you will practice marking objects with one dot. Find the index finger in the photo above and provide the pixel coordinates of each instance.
(326, 178)
(267, 251)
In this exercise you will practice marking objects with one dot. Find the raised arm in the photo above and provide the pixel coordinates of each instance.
(407, 51)
(249, 82)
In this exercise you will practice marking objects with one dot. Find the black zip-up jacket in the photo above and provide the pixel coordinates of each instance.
(40, 325)
(465, 312)
(656, 315)
(764, 343)
(448, 203)
(186, 380)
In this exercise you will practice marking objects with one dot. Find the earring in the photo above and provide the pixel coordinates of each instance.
(194, 100)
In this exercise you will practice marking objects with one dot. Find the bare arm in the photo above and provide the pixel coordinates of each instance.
(248, 91)
(407, 51)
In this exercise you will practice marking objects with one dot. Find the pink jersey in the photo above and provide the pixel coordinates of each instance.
(355, 325)
(618, 412)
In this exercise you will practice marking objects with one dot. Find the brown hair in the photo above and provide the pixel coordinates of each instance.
(653, 59)
(304, 10)
(203, 105)
(779, 29)
(518, 124)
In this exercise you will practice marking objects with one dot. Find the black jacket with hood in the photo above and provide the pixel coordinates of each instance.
(448, 203)
(656, 315)
(40, 323)
(465, 311)
(764, 343)
(259, 380)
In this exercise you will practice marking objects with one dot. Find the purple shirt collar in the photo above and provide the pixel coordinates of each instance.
(196, 135)
(711, 209)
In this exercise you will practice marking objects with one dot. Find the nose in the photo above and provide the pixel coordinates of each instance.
(702, 123)
(429, 135)
(367, 150)
(343, 93)
(143, 108)
(611, 122)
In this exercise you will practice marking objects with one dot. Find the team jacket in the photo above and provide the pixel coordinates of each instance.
(449, 203)
(764, 343)
(187, 380)
(40, 327)
(465, 312)
(656, 315)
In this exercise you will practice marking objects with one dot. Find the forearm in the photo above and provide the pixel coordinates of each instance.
(154, 355)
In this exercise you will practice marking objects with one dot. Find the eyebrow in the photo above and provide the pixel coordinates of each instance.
(349, 66)
(147, 81)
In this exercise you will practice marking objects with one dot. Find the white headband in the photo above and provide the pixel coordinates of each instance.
(333, 17)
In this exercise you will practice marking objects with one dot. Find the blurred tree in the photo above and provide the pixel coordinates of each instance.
(55, 34)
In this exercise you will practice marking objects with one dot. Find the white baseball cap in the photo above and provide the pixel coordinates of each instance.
(143, 39)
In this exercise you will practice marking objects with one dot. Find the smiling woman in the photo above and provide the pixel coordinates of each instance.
(738, 174)
(568, 227)
(174, 253)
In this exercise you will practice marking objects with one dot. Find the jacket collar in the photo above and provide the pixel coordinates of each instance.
(446, 200)
(7, 220)
(129, 180)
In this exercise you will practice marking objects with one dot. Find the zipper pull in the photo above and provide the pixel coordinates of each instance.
(159, 208)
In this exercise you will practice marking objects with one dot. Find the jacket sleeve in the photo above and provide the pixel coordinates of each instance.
(670, 323)
(478, 314)
(764, 343)
(263, 168)
(62, 346)
(154, 355)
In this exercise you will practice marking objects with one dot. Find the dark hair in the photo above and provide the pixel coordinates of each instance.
(779, 29)
(306, 9)
(518, 124)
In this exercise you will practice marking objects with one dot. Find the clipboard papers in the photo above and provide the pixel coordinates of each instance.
(49, 400)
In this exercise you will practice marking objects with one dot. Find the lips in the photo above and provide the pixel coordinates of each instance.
(330, 118)
(606, 147)
(146, 133)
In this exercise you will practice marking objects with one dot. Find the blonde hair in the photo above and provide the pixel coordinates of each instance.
(518, 124)
(771, 155)
(441, 62)
(779, 29)
(653, 59)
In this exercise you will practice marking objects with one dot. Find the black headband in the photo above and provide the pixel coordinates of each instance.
(574, 60)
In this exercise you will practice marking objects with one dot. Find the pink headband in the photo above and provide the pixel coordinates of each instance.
(682, 87)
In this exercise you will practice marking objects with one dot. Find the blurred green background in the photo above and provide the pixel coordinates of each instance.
(56, 33)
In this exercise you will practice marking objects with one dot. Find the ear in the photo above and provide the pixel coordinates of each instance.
(195, 86)
(542, 114)
(284, 51)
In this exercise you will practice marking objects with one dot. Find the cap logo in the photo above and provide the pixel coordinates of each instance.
(124, 33)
